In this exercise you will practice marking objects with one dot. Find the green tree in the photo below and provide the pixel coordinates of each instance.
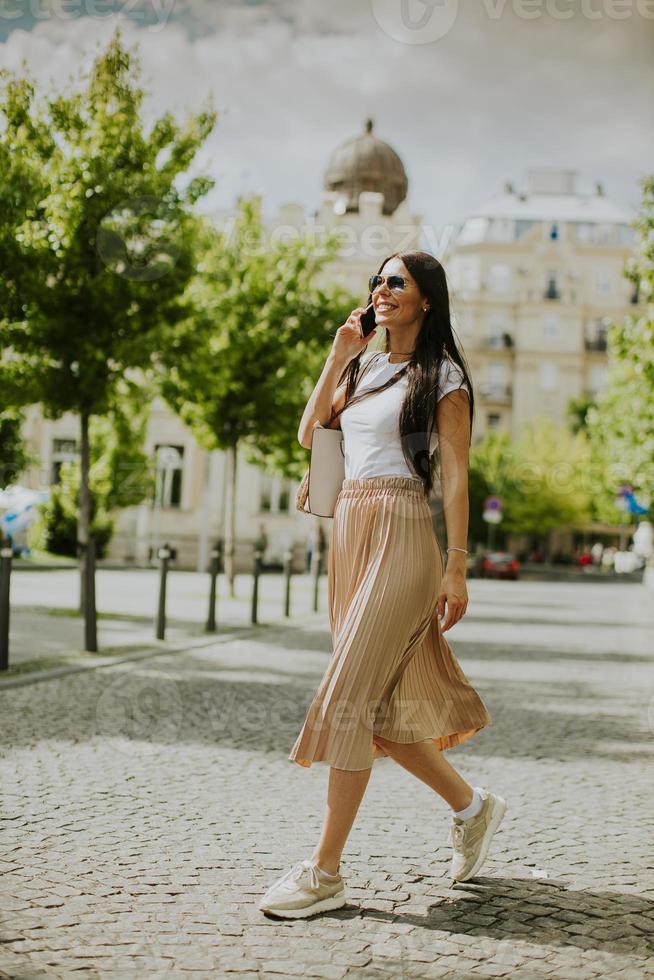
(105, 250)
(121, 475)
(577, 412)
(621, 424)
(489, 474)
(542, 477)
(240, 370)
(14, 455)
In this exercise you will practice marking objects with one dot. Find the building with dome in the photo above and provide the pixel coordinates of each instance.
(366, 163)
(364, 198)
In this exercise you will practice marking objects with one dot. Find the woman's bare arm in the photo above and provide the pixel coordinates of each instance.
(348, 342)
(453, 420)
(325, 397)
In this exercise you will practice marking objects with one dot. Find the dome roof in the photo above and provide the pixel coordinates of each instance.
(366, 163)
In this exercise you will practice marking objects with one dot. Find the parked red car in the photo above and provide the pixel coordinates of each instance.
(495, 564)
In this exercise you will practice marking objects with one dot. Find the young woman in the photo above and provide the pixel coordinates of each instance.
(393, 686)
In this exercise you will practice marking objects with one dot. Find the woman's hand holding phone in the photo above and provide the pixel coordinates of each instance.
(349, 339)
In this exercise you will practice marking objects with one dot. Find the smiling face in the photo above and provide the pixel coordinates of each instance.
(398, 307)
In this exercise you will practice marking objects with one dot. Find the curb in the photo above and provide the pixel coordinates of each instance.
(147, 653)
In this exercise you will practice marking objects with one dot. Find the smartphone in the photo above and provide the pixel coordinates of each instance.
(368, 321)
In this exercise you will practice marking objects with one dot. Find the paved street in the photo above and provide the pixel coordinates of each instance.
(148, 805)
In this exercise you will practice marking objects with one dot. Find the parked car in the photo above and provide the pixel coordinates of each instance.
(474, 565)
(494, 564)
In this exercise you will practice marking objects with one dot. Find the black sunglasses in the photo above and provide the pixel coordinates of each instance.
(393, 282)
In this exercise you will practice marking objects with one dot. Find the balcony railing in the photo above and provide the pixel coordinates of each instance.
(498, 341)
(551, 292)
(496, 392)
(595, 343)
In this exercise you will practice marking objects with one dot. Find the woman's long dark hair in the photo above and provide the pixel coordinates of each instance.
(434, 343)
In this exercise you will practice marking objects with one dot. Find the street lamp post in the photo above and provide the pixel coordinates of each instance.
(168, 460)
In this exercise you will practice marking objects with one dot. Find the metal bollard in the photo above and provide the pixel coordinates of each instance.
(288, 561)
(6, 555)
(316, 563)
(164, 556)
(216, 554)
(258, 555)
(90, 613)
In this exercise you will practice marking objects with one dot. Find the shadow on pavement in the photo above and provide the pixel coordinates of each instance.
(547, 913)
(244, 695)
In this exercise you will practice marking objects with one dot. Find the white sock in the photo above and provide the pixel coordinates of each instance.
(322, 871)
(473, 807)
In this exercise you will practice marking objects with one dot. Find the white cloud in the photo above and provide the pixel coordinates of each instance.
(291, 81)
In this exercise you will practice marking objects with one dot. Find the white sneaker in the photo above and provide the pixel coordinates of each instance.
(471, 838)
(303, 891)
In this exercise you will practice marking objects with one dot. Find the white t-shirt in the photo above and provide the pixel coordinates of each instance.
(371, 432)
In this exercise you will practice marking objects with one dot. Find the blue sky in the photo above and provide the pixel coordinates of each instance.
(506, 86)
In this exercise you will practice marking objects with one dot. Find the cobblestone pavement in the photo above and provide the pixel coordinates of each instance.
(148, 805)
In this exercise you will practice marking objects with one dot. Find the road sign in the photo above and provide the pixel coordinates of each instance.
(492, 509)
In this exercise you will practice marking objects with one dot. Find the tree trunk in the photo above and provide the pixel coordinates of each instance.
(230, 536)
(203, 536)
(87, 596)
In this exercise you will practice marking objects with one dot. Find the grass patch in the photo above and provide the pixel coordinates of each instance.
(71, 658)
(70, 613)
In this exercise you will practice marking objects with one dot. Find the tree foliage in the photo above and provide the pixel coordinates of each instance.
(621, 424)
(241, 369)
(103, 234)
(14, 454)
(542, 477)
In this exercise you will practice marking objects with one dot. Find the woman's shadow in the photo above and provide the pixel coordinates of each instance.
(543, 913)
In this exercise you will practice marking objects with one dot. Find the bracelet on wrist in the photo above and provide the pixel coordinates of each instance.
(464, 550)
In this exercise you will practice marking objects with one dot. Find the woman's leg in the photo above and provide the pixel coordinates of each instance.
(427, 762)
(344, 794)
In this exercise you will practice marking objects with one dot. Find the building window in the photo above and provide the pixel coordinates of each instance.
(493, 420)
(626, 235)
(284, 499)
(169, 469)
(497, 331)
(603, 282)
(500, 278)
(585, 232)
(554, 232)
(598, 375)
(549, 376)
(469, 277)
(552, 285)
(551, 327)
(63, 451)
(522, 226)
(461, 322)
(274, 494)
(497, 375)
(597, 334)
(265, 492)
(474, 230)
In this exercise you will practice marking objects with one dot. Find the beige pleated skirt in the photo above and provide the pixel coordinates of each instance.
(392, 673)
